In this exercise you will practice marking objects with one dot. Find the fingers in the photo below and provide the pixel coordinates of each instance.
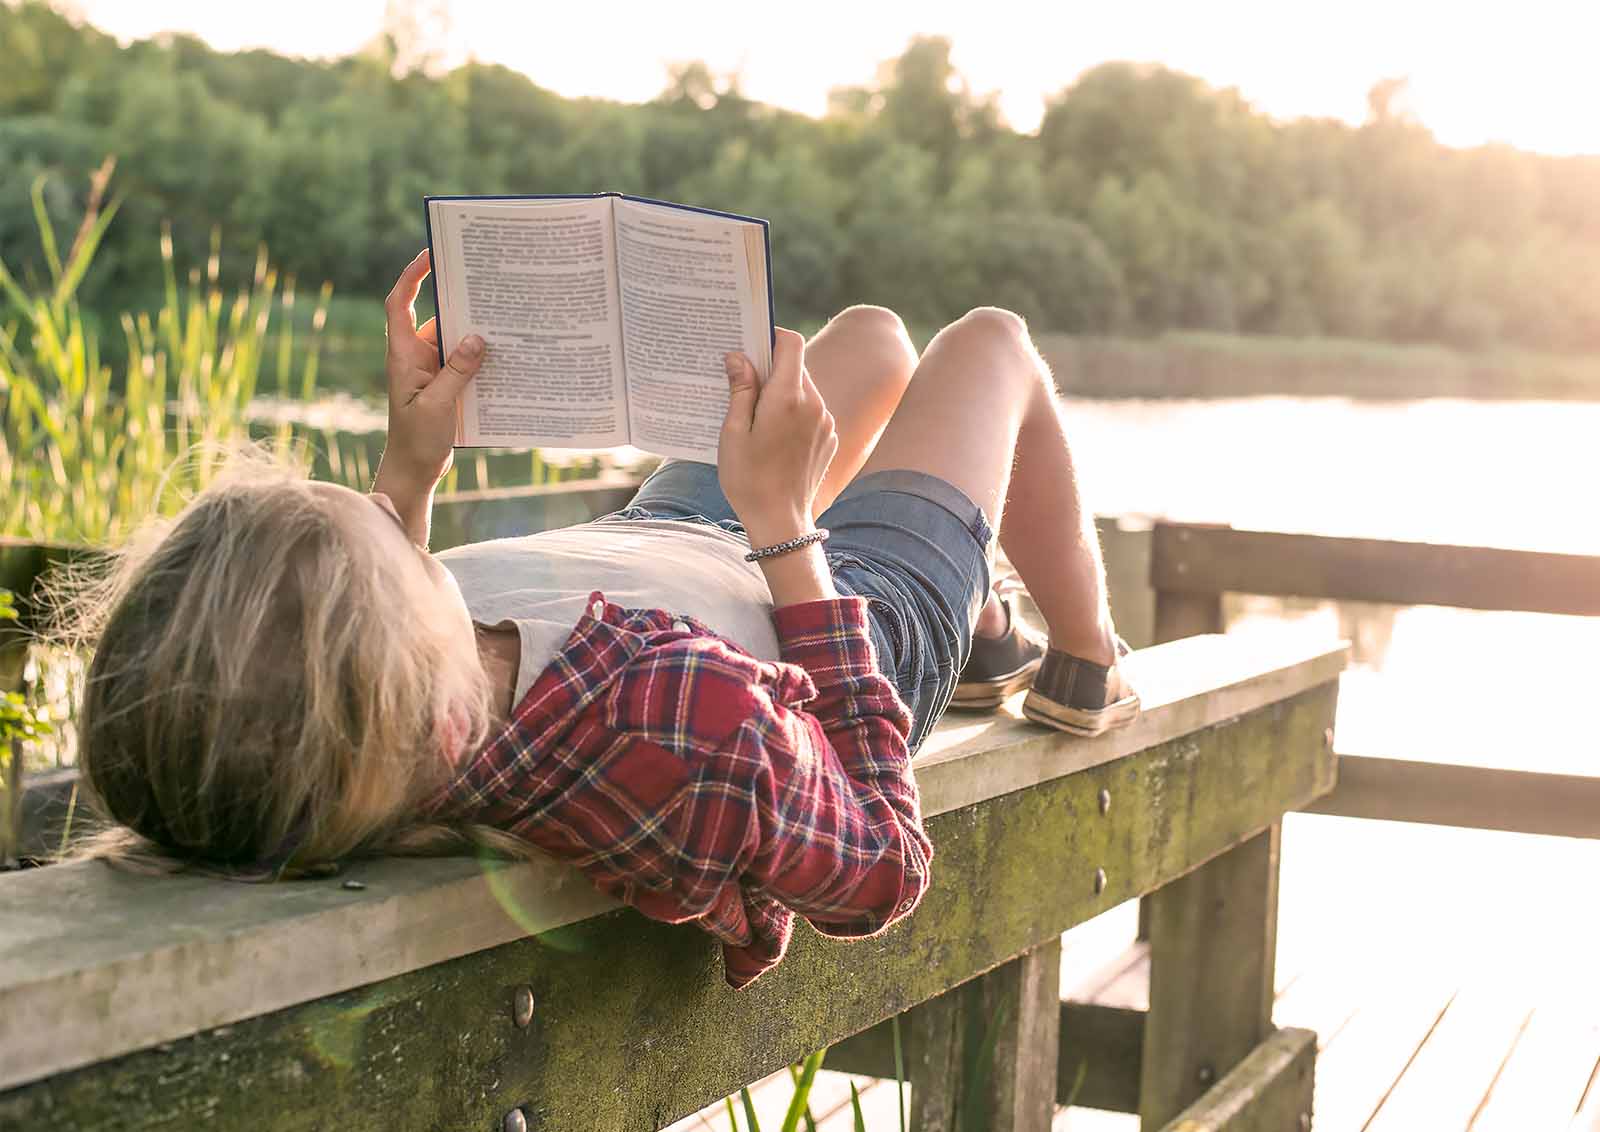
(808, 388)
(787, 354)
(397, 308)
(429, 332)
(458, 370)
(742, 392)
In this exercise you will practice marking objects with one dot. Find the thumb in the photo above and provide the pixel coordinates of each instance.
(742, 391)
(459, 369)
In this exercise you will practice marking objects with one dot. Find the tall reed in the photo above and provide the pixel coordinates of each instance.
(85, 452)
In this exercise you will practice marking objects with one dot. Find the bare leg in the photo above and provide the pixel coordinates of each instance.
(981, 414)
(861, 363)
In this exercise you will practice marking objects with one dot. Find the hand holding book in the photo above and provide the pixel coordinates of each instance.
(606, 317)
(777, 441)
(423, 395)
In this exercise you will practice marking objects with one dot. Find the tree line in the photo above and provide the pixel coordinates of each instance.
(1145, 201)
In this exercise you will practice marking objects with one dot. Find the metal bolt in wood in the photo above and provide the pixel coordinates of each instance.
(1205, 1075)
(1105, 800)
(522, 1007)
(1305, 1122)
(1099, 881)
(514, 1122)
(1327, 737)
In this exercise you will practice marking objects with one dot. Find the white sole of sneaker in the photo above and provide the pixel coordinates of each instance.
(1080, 721)
(986, 694)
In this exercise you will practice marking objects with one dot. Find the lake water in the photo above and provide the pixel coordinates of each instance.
(1503, 689)
(1512, 474)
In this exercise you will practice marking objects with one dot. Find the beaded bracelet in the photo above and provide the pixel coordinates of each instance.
(818, 535)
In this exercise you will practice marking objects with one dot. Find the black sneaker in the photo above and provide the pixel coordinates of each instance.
(1081, 697)
(998, 667)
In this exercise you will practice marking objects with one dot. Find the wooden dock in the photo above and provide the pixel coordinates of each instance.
(1450, 976)
(1449, 969)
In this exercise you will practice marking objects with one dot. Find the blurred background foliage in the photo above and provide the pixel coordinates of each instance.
(1146, 202)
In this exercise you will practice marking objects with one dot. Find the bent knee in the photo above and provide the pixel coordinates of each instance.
(869, 319)
(996, 321)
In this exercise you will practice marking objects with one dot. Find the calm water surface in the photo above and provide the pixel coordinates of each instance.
(1518, 474)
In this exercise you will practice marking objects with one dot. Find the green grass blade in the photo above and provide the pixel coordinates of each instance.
(750, 1120)
(802, 1091)
(976, 1073)
(855, 1109)
(47, 231)
(733, 1118)
(83, 254)
(19, 298)
(66, 827)
(899, 1071)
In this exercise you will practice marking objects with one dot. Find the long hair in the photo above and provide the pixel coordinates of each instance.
(266, 695)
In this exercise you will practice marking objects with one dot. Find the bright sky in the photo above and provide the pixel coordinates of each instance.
(1519, 72)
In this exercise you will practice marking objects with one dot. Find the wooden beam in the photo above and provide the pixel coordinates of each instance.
(48, 798)
(1178, 616)
(1517, 801)
(1213, 938)
(1269, 1091)
(1020, 1002)
(1097, 1063)
(633, 1025)
(476, 516)
(984, 1054)
(79, 935)
(1200, 559)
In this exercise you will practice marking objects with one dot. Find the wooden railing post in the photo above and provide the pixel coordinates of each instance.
(990, 1046)
(1213, 941)
(1179, 615)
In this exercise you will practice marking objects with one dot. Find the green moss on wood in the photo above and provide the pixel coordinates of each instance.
(633, 1025)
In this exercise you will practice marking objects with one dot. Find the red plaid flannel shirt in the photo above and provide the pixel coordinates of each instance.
(696, 783)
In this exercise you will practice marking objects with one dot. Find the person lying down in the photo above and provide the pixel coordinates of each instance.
(707, 701)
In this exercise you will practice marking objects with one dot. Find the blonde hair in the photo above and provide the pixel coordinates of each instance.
(264, 696)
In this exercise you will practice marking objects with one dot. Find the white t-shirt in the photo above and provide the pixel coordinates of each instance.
(540, 583)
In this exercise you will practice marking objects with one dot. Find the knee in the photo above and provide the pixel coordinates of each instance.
(864, 318)
(992, 322)
(879, 334)
(994, 342)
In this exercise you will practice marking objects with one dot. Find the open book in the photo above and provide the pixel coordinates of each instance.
(606, 317)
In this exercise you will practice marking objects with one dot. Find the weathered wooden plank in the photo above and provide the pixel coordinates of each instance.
(476, 516)
(1362, 1063)
(984, 1055)
(1213, 939)
(1453, 1071)
(1269, 1091)
(1180, 614)
(1542, 1082)
(94, 963)
(1177, 616)
(1521, 801)
(1202, 559)
(1097, 1060)
(1022, 1001)
(1587, 1118)
(1184, 686)
(47, 800)
(642, 1006)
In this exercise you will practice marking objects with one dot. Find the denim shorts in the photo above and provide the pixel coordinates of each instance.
(912, 544)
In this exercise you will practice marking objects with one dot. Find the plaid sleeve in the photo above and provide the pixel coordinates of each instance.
(854, 756)
(813, 809)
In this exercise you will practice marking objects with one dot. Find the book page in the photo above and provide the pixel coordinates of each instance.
(535, 278)
(687, 298)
